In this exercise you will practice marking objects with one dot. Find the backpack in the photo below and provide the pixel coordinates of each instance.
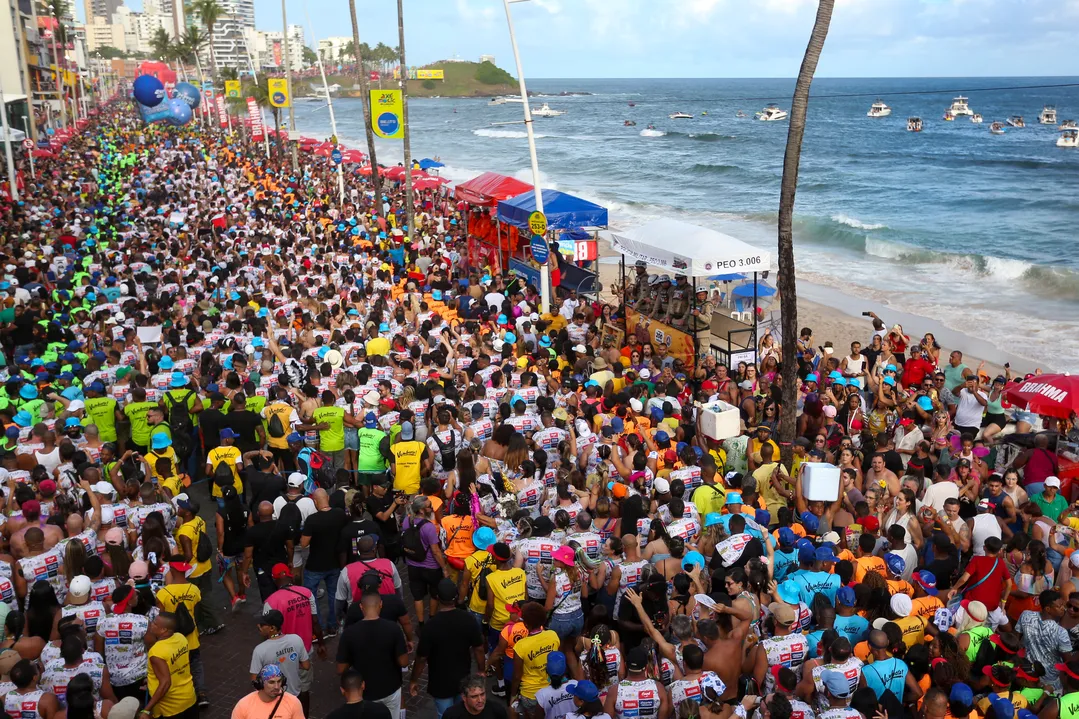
(180, 423)
(274, 427)
(481, 581)
(223, 474)
(204, 548)
(291, 520)
(447, 452)
(185, 624)
(412, 543)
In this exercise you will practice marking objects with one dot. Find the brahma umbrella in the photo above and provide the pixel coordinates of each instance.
(352, 157)
(1055, 395)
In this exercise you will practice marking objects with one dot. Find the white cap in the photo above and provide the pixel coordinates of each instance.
(705, 600)
(645, 373)
(296, 479)
(103, 488)
(1052, 482)
(76, 404)
(80, 586)
(636, 405)
(661, 486)
(832, 537)
(579, 349)
(902, 605)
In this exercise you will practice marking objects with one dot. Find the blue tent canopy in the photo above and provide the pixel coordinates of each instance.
(564, 212)
(575, 235)
(427, 163)
(746, 290)
(727, 278)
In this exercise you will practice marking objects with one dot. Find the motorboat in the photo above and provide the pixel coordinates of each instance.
(496, 101)
(879, 109)
(997, 128)
(546, 111)
(740, 114)
(914, 124)
(960, 107)
(633, 104)
(1048, 115)
(629, 123)
(680, 116)
(651, 127)
(1068, 138)
(976, 119)
(772, 113)
(703, 114)
(318, 94)
(1016, 121)
(1068, 125)
(949, 116)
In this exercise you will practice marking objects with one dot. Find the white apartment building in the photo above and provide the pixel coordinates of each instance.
(331, 47)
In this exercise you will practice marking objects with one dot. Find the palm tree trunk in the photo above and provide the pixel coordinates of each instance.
(365, 92)
(410, 208)
(785, 282)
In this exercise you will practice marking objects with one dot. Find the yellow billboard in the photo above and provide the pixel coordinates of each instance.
(232, 88)
(278, 90)
(430, 75)
(386, 114)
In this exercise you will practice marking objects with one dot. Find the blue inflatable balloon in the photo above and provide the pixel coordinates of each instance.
(159, 113)
(148, 90)
(179, 112)
(188, 93)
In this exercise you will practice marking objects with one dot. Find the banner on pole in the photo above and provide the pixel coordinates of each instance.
(232, 88)
(386, 114)
(278, 89)
(222, 115)
(255, 117)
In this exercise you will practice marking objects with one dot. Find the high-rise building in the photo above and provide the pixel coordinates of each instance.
(331, 47)
(230, 49)
(101, 8)
(268, 48)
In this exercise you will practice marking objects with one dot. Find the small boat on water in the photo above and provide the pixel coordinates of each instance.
(1068, 125)
(960, 107)
(651, 127)
(1068, 138)
(704, 113)
(680, 116)
(997, 128)
(629, 123)
(1048, 115)
(976, 119)
(949, 116)
(914, 124)
(633, 104)
(879, 109)
(496, 101)
(772, 113)
(1016, 121)
(740, 114)
(546, 111)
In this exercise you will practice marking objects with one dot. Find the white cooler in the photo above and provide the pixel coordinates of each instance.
(719, 420)
(820, 482)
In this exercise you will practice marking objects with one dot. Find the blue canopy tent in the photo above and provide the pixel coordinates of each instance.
(427, 163)
(737, 276)
(564, 212)
(747, 289)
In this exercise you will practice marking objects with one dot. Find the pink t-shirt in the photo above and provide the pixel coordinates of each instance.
(297, 604)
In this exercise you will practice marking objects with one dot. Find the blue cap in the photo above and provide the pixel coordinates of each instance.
(99, 355)
(763, 517)
(835, 374)
(788, 592)
(370, 420)
(179, 379)
(584, 690)
(160, 441)
(734, 498)
(890, 381)
(927, 581)
(836, 683)
(66, 376)
(1026, 714)
(483, 537)
(165, 363)
(545, 341)
(694, 558)
(840, 381)
(1000, 708)
(896, 564)
(787, 537)
(662, 436)
(556, 664)
(806, 555)
(810, 522)
(323, 351)
(384, 327)
(618, 425)
(502, 319)
(712, 518)
(890, 368)
(97, 386)
(72, 422)
(811, 377)
(825, 554)
(845, 596)
(294, 438)
(227, 433)
(925, 403)
(961, 694)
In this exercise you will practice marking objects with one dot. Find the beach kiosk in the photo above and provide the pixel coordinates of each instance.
(679, 248)
(564, 212)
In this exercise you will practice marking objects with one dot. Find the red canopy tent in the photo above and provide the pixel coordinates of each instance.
(1054, 395)
(490, 187)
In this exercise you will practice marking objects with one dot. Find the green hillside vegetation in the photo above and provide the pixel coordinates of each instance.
(463, 79)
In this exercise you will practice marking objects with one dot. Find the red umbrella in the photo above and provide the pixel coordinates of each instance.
(324, 150)
(1055, 395)
(394, 173)
(365, 170)
(306, 140)
(426, 183)
(41, 152)
(352, 157)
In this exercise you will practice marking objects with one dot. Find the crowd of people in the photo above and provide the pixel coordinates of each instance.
(215, 374)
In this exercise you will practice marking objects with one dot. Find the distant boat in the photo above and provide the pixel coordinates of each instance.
(633, 104)
(546, 111)
(1068, 125)
(629, 123)
(772, 113)
(740, 114)
(997, 128)
(1068, 138)
(1016, 121)
(879, 109)
(960, 107)
(1048, 115)
(949, 116)
(976, 119)
(680, 116)
(496, 101)
(914, 124)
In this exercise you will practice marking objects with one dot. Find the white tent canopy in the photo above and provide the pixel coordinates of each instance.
(684, 249)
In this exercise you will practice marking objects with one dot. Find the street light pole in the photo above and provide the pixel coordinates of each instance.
(410, 205)
(288, 84)
(545, 274)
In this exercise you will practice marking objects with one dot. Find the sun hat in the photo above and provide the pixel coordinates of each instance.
(160, 441)
(483, 537)
(563, 554)
(788, 592)
(713, 518)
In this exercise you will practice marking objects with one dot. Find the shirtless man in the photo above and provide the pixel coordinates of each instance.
(31, 512)
(724, 639)
(879, 473)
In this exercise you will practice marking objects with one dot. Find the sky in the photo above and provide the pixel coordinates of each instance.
(716, 38)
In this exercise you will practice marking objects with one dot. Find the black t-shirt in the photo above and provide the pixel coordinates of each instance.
(628, 612)
(871, 356)
(389, 530)
(944, 570)
(211, 421)
(360, 710)
(243, 423)
(372, 648)
(268, 543)
(893, 462)
(324, 528)
(447, 640)
(23, 334)
(351, 534)
(263, 487)
(393, 608)
(491, 710)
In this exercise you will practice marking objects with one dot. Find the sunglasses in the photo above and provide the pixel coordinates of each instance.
(1073, 608)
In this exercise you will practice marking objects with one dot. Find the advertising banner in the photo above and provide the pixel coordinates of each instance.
(679, 344)
(278, 88)
(255, 116)
(232, 88)
(430, 75)
(222, 115)
(386, 114)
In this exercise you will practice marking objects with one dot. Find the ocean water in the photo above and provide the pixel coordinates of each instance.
(973, 230)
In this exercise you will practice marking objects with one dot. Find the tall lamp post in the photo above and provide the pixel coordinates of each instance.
(545, 274)
(288, 83)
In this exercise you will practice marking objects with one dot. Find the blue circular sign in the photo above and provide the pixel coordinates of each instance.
(540, 250)
(388, 123)
(336, 156)
(279, 98)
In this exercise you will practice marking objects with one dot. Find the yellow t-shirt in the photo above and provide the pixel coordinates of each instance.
(1018, 701)
(533, 651)
(171, 595)
(230, 454)
(506, 587)
(913, 630)
(377, 346)
(476, 563)
(154, 455)
(181, 693)
(192, 530)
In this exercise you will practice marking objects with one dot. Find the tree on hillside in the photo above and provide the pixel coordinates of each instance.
(309, 56)
(788, 291)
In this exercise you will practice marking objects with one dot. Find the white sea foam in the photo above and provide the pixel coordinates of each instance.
(1006, 269)
(652, 133)
(503, 134)
(855, 223)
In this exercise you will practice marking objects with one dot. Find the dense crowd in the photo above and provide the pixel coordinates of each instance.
(211, 369)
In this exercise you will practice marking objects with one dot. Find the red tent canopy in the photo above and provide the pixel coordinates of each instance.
(489, 188)
(1055, 395)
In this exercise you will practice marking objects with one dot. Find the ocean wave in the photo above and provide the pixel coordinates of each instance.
(703, 136)
(504, 134)
(1021, 163)
(856, 223)
(710, 169)
(652, 133)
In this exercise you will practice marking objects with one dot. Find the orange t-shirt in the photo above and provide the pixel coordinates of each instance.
(866, 564)
(512, 633)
